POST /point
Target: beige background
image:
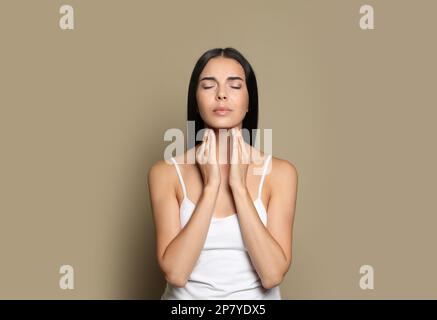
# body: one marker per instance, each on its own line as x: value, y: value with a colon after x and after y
x: 83, y: 114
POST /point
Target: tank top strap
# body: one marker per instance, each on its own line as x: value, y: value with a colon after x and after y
x: 181, y: 180
x: 269, y: 157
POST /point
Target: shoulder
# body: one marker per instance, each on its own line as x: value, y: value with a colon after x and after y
x: 283, y: 172
x: 161, y: 170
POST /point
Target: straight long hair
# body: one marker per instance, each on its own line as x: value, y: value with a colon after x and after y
x: 250, y: 121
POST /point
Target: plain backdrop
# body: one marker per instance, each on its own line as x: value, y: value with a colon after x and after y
x: 83, y: 114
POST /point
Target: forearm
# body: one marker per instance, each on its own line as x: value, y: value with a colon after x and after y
x: 266, y: 254
x: 183, y: 251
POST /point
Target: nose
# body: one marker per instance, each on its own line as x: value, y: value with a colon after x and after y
x: 221, y: 95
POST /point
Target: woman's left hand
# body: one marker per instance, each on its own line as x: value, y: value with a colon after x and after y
x: 239, y: 160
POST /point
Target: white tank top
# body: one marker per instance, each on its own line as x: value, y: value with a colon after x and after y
x: 224, y: 269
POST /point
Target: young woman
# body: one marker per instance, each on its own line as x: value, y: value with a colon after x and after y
x: 223, y: 223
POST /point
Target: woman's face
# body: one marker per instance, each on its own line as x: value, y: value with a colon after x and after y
x: 222, y: 94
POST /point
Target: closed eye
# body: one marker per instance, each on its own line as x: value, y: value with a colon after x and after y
x: 209, y: 87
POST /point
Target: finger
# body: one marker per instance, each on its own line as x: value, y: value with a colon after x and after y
x: 240, y: 149
x: 212, y: 148
x: 204, y: 135
x: 237, y: 131
x: 201, y: 150
x: 232, y: 132
x: 244, y: 152
x: 234, y: 156
x: 207, y: 146
x: 240, y: 153
x: 200, y: 153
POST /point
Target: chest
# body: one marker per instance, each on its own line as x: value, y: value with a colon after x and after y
x: 225, y: 204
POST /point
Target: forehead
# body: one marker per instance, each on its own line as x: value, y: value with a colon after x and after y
x: 222, y: 67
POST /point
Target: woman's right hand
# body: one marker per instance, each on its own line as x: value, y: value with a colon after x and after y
x: 206, y: 159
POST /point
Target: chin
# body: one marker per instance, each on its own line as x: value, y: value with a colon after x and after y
x: 221, y: 125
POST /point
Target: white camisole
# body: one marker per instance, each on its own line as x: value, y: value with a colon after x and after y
x: 224, y: 269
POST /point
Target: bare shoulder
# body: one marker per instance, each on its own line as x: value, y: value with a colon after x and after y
x: 161, y: 171
x: 283, y: 171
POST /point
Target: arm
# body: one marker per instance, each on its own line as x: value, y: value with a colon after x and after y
x: 178, y: 249
x: 270, y: 247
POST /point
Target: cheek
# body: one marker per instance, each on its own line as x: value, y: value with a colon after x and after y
x: 204, y: 97
x: 241, y: 100
x: 201, y: 100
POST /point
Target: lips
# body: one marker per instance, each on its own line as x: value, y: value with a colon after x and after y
x: 221, y: 109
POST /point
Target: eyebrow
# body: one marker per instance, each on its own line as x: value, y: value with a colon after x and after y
x: 229, y: 78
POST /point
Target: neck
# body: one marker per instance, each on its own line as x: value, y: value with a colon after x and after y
x: 223, y: 145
